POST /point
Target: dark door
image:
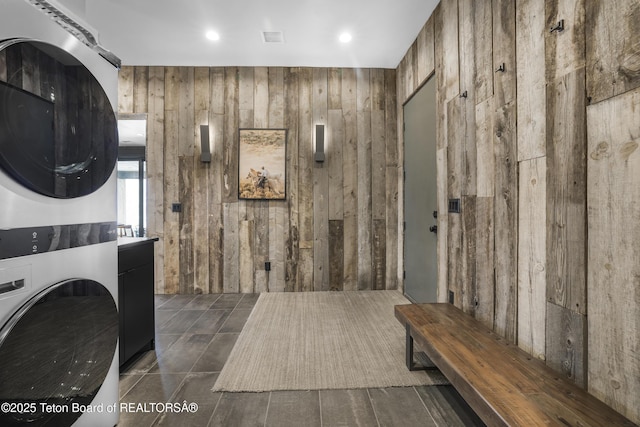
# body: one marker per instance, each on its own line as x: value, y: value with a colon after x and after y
x: 420, y: 196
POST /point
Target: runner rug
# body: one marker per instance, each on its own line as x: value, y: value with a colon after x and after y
x: 321, y: 340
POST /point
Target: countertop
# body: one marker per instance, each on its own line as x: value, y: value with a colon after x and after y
x: 135, y: 241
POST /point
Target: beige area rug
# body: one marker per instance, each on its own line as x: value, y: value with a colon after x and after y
x: 321, y: 340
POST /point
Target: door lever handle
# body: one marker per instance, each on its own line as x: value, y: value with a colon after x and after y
x: 433, y: 229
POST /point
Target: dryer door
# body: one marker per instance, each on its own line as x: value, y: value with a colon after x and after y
x: 55, y: 353
x: 58, y: 132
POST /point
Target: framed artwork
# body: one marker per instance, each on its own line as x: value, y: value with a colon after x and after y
x: 262, y: 164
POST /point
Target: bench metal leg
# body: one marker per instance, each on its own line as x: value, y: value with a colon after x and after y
x: 426, y: 363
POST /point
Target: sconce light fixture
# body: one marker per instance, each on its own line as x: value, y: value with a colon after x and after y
x: 205, y: 156
x: 319, y: 152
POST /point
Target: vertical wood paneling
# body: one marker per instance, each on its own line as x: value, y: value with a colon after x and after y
x: 504, y: 51
x: 468, y: 254
x: 426, y: 59
x: 335, y: 140
x: 612, y: 47
x: 140, y: 89
x: 125, y: 90
x: 613, y: 271
x: 201, y: 203
x: 566, y: 343
x: 246, y: 245
x: 320, y: 188
x: 278, y: 212
x: 450, y: 34
x: 394, y: 241
x: 530, y: 281
x: 364, y: 179
x: 186, y: 274
x: 455, y: 185
x: 485, y: 254
x: 532, y: 256
x: 566, y: 194
x: 443, y: 224
x: 231, y: 247
x: 155, y: 170
x: 336, y: 255
x: 292, y: 254
x: 565, y: 50
x: 506, y: 214
x: 216, y: 189
x: 219, y: 243
x: 483, y: 61
x: 530, y: 62
x: 305, y: 179
x: 350, y: 168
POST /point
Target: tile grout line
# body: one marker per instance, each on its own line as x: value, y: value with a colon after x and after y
x: 266, y: 414
x: 320, y: 405
x: 373, y: 408
x: 435, y: 423
x: 215, y: 409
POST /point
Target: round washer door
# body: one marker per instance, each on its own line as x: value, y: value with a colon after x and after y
x: 58, y: 132
x: 55, y: 352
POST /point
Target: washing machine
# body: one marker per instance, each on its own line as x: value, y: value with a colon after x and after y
x: 58, y: 237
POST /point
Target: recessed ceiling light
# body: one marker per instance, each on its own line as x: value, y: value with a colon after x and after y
x: 345, y: 38
x: 212, y: 35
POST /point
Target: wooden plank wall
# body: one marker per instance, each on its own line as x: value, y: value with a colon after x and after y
x: 544, y: 157
x: 337, y: 229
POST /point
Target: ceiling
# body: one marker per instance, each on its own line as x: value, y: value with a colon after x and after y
x: 172, y: 32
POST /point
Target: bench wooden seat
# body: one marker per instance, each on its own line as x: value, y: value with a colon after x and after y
x: 504, y: 385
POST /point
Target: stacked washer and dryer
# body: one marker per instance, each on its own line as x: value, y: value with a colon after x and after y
x: 58, y: 237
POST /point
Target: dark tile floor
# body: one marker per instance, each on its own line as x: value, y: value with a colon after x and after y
x: 194, y: 336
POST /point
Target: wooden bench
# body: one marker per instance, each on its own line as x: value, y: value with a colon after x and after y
x: 504, y: 385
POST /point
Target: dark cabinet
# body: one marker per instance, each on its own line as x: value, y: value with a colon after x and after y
x: 136, y: 298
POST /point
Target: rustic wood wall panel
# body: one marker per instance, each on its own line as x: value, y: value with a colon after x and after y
x: 216, y: 189
x: 566, y: 195
x: 504, y: 51
x: 350, y: 176
x: 613, y: 271
x: 292, y: 254
x: 425, y: 47
x: 450, y: 34
x: 531, y: 79
x: 613, y: 48
x: 155, y: 169
x: 565, y: 50
x: 219, y: 243
x: 394, y: 242
x: 455, y: 184
x: 530, y: 239
x: 532, y: 200
x: 125, y: 89
x: 483, y: 55
x: 506, y: 215
x: 566, y: 343
x: 320, y: 188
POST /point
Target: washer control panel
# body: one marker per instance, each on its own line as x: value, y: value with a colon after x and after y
x: 17, y: 242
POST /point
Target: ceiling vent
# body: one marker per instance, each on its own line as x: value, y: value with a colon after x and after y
x: 72, y: 26
x: 272, y: 37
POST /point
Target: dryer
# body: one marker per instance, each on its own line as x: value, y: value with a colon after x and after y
x: 58, y: 249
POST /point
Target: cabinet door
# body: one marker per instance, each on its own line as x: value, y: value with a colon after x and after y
x: 138, y: 309
x: 121, y: 318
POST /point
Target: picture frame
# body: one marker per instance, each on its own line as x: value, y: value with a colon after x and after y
x: 262, y: 164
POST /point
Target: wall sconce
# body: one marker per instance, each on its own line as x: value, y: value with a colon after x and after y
x: 318, y: 155
x: 205, y: 156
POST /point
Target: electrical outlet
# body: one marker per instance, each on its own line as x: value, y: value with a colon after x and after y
x: 267, y: 266
x: 176, y: 207
x: 451, y: 297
